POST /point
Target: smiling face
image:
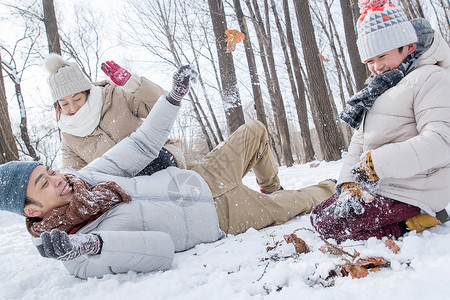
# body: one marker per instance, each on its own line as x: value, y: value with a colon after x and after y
x: 389, y: 60
x: 72, y: 103
x: 48, y: 190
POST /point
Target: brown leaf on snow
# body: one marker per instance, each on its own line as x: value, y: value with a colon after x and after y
x: 372, y: 262
x: 330, y: 249
x: 356, y: 271
x: 356, y: 253
x: 300, y: 245
x: 392, y: 245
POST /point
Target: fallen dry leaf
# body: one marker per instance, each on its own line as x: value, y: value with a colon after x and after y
x: 334, y: 250
x: 300, y: 245
x: 392, y: 245
x: 357, y: 271
x: 372, y: 262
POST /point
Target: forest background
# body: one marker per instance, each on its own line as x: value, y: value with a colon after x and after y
x: 294, y: 69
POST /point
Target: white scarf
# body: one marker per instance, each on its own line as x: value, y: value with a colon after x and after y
x: 87, y: 118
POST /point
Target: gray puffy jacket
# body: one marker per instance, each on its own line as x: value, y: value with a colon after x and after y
x: 172, y: 210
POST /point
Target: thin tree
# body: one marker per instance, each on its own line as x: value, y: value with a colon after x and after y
x: 51, y: 27
x: 251, y: 61
x: 358, y: 68
x: 329, y: 133
x: 15, y: 75
x: 301, y: 107
x: 8, y: 147
x: 232, y: 103
x: 267, y: 57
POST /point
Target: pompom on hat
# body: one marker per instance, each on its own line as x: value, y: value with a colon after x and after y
x: 64, y: 78
x: 382, y: 27
x: 14, y: 177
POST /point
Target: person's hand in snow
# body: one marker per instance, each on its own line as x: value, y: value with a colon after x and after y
x: 350, y: 199
x: 58, y: 244
x: 118, y: 75
x: 365, y: 175
x: 181, y: 82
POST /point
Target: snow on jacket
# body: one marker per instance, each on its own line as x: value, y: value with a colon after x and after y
x: 120, y: 116
x: 172, y: 210
x: 407, y: 131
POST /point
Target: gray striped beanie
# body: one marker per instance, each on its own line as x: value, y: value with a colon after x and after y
x: 382, y: 27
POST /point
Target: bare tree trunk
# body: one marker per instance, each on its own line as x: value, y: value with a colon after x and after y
x: 301, y: 108
x: 232, y: 103
x: 187, y: 26
x: 265, y: 39
x: 51, y: 27
x: 329, y: 132
x: 11, y: 71
x: 412, y: 9
x: 177, y: 60
x: 256, y: 87
x: 295, y: 92
x: 8, y: 147
x: 359, y: 70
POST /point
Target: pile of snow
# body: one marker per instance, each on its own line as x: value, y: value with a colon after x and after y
x: 240, y: 267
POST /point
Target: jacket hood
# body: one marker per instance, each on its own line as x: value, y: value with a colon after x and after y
x: 437, y: 54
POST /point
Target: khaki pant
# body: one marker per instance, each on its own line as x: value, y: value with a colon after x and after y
x: 240, y: 207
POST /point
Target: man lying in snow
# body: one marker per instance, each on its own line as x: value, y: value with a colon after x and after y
x: 103, y: 220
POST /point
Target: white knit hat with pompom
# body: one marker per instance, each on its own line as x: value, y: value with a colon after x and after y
x: 382, y: 27
x: 64, y: 78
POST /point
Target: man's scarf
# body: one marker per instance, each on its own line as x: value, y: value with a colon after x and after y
x: 362, y: 101
x: 88, y: 201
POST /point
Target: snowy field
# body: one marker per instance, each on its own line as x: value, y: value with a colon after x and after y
x: 241, y: 267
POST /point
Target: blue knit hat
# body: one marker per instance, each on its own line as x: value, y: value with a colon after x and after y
x: 13, y: 184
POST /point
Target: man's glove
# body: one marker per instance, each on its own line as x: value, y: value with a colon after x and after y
x: 365, y: 175
x: 421, y: 222
x: 350, y: 199
x: 180, y: 83
x: 117, y: 74
x: 58, y: 244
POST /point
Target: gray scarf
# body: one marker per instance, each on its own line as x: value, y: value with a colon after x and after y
x: 362, y: 101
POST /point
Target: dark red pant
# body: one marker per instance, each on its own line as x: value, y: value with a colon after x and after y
x: 380, y: 218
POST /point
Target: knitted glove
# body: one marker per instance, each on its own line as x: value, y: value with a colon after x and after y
x: 365, y: 175
x: 350, y: 199
x: 421, y: 222
x: 180, y: 83
x: 117, y: 74
x: 58, y: 244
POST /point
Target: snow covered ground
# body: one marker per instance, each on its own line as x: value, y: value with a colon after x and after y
x: 240, y: 267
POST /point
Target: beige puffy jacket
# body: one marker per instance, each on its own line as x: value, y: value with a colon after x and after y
x: 407, y: 131
x: 121, y: 116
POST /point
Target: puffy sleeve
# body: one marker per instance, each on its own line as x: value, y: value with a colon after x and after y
x: 135, y: 152
x: 123, y: 251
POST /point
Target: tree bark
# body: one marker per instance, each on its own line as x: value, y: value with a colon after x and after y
x: 8, y: 147
x: 254, y: 78
x: 329, y: 132
x: 51, y: 27
x: 232, y: 103
x: 358, y: 68
x: 297, y: 85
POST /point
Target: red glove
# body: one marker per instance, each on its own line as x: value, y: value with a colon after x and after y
x: 117, y: 74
